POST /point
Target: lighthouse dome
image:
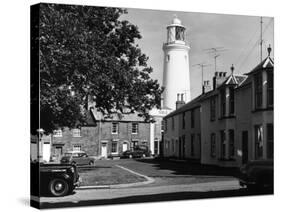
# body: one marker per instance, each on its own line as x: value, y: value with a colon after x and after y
x: 176, y: 21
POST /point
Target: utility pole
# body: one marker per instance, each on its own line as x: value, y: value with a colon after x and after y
x: 202, y: 65
x: 215, y: 52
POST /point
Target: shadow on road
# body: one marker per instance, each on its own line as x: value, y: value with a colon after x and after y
x: 157, y: 198
x: 190, y: 168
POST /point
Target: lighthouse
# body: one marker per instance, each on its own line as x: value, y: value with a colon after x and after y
x: 176, y: 77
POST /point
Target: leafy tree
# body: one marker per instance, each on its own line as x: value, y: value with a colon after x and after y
x: 88, y: 51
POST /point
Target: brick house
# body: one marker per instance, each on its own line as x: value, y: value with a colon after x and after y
x: 102, y: 137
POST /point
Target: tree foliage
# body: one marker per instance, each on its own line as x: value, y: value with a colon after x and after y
x: 88, y: 51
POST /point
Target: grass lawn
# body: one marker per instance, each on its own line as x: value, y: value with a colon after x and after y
x: 107, y: 176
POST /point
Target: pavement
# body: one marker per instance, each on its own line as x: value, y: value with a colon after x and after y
x: 164, y: 181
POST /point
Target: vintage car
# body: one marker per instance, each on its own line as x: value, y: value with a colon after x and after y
x: 139, y: 151
x: 77, y: 158
x: 54, y: 179
x: 257, y: 174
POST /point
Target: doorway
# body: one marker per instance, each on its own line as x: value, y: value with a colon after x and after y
x: 125, y: 146
x: 104, y: 150
x: 245, y: 147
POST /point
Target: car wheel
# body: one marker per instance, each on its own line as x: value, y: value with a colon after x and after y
x: 91, y: 163
x: 58, y: 187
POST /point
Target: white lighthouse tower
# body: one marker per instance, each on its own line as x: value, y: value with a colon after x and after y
x: 176, y: 78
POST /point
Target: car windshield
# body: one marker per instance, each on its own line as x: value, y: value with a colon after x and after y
x: 68, y: 154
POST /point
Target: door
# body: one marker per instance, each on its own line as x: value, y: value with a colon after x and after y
x: 180, y: 149
x: 104, y: 150
x: 244, y: 147
x: 125, y: 147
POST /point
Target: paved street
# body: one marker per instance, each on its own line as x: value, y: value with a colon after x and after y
x: 172, y: 181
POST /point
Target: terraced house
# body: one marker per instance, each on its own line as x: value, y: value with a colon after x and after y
x: 229, y: 125
x: 101, y: 136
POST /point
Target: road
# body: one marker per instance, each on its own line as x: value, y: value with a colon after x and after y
x: 172, y: 181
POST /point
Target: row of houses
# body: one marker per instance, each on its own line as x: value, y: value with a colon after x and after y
x: 229, y: 123
x: 101, y: 137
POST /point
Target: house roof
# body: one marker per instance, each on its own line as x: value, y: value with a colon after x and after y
x: 230, y: 80
x: 234, y: 79
x: 266, y: 63
x: 188, y: 106
x: 99, y: 116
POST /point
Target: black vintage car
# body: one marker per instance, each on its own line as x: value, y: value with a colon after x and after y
x: 139, y: 151
x: 54, y: 179
x: 257, y: 175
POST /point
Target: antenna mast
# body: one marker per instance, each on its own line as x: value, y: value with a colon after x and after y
x: 202, y: 65
x: 261, y: 22
x: 215, y: 51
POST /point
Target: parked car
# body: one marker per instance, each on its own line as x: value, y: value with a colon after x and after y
x: 55, y: 179
x: 138, y: 152
x: 77, y: 158
x: 257, y: 174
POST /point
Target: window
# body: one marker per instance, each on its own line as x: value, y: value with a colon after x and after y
x: 114, y: 147
x: 192, y: 145
x: 135, y: 128
x: 223, y: 104
x: 192, y: 119
x: 213, y: 145
x: 162, y: 126
x: 223, y: 144
x: 77, y: 147
x: 179, y: 33
x: 166, y: 125
x: 258, y: 90
x: 270, y: 88
x: 57, y: 133
x: 270, y: 139
x: 231, y: 100
x: 114, y: 128
x: 183, y: 120
x: 76, y: 133
x: 258, y: 141
x: 173, y: 123
x: 231, y: 143
x: 167, y: 58
x: 213, y: 109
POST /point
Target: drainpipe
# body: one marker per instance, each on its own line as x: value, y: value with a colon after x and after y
x: 99, y: 146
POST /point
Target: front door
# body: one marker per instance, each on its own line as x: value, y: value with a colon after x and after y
x: 244, y: 147
x: 180, y: 151
x: 125, y: 147
x: 104, y: 150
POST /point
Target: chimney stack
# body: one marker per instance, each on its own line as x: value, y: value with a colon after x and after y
x: 180, y: 101
x: 218, y: 79
x: 206, y: 86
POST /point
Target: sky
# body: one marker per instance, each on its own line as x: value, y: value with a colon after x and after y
x: 239, y: 35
